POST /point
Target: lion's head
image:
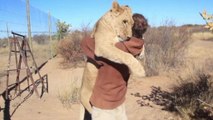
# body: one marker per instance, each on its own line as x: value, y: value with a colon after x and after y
x: 118, y: 21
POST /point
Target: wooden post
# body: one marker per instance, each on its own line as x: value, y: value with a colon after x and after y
x: 50, y: 34
x: 8, y: 34
x: 29, y: 24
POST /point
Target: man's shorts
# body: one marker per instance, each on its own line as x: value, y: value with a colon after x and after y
x: 118, y: 113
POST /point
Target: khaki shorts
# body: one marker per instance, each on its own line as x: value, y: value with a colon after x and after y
x: 118, y: 113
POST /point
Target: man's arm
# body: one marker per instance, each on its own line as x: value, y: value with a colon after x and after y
x: 134, y: 46
x: 88, y: 47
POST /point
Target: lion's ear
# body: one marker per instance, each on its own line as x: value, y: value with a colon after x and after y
x: 116, y: 8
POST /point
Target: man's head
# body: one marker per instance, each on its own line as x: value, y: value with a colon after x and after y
x: 140, y: 25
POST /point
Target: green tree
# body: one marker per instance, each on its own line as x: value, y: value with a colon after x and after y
x: 62, y: 29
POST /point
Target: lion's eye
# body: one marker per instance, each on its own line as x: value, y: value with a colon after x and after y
x: 125, y: 21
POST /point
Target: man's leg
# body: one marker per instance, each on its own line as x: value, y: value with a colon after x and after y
x: 121, y: 113
x: 87, y: 115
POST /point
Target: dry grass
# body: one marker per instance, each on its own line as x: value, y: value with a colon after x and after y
x: 43, y: 52
x: 193, y: 97
x: 69, y: 95
x: 69, y: 48
x: 199, y: 51
x: 165, y: 49
x: 3, y: 61
x: 202, y: 36
x: 193, y: 94
x: 40, y: 52
x: 170, y: 47
x: 187, y: 96
x: 4, y: 51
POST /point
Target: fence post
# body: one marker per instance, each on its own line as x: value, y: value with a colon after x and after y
x: 8, y: 35
x: 50, y: 34
x: 29, y: 24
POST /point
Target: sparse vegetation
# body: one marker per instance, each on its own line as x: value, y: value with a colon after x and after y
x: 191, y: 98
x: 41, y: 53
x: 70, y: 95
x: 165, y: 48
x: 207, y: 36
x: 69, y: 48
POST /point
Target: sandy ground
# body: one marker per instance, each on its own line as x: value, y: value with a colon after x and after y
x: 49, y: 107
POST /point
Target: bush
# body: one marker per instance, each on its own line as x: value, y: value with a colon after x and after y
x: 192, y: 98
x: 165, y: 48
x: 69, y: 48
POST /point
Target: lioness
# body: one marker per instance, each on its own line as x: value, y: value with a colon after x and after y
x: 115, y: 25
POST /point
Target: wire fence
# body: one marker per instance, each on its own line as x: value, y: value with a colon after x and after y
x: 13, y: 17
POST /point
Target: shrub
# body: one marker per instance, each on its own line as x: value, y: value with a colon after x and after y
x: 165, y: 48
x: 191, y: 98
x: 69, y: 48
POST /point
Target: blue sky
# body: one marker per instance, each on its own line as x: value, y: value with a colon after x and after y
x: 83, y: 12
x: 78, y: 12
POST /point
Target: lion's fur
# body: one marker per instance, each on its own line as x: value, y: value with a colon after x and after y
x: 116, y: 23
x: 88, y: 81
x: 108, y: 29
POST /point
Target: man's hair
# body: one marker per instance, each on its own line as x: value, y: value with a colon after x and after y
x: 140, y: 25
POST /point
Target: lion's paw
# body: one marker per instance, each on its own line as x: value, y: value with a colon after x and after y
x: 138, y: 72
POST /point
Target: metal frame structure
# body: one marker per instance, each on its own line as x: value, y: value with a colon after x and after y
x: 22, y: 52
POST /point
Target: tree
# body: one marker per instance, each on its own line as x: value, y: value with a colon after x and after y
x: 209, y: 20
x: 62, y: 29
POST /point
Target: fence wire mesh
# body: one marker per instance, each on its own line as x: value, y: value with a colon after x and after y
x: 13, y: 17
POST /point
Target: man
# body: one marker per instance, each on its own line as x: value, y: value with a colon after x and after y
x: 109, y: 92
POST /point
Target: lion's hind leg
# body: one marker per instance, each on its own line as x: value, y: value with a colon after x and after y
x: 84, y: 113
x: 85, y: 98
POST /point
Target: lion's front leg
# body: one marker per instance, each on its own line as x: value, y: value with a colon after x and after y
x: 114, y: 54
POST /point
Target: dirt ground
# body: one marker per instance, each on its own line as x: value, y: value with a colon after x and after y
x: 49, y: 107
